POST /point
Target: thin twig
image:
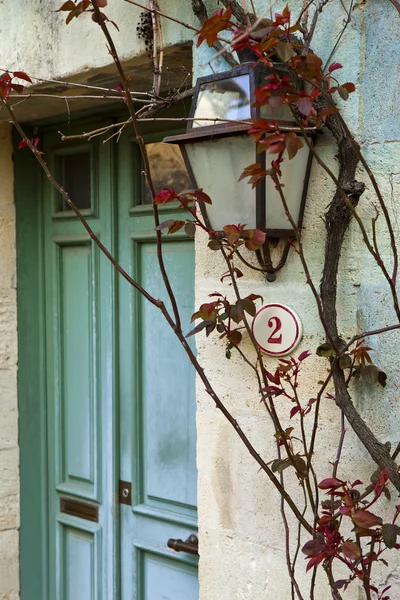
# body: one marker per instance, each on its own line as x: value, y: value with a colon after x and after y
x: 304, y: 9
x: 289, y: 564
x: 381, y: 201
x: 356, y: 216
x: 246, y: 13
x: 303, y: 259
x: 146, y: 164
x: 396, y: 452
x: 228, y: 47
x: 78, y: 97
x: 74, y: 84
x: 158, y: 303
x: 346, y: 23
x: 156, y: 59
x: 340, y: 445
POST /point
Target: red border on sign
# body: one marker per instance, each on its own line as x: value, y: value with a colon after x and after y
x: 287, y: 350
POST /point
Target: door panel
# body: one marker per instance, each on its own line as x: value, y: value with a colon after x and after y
x: 157, y: 405
x: 165, y: 579
x: 167, y: 390
x: 79, y: 552
x: 75, y: 325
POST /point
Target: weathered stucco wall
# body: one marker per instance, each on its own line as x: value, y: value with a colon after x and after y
x: 241, y: 530
x: 36, y: 39
x: 9, y: 457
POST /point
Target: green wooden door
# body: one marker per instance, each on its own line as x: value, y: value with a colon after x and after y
x: 119, y: 394
x: 158, y: 384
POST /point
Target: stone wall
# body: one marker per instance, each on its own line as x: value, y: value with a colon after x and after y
x: 9, y: 457
x: 241, y: 529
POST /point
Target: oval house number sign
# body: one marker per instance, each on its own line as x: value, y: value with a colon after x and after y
x: 277, y: 329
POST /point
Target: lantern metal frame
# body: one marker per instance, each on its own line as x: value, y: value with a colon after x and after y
x: 217, y: 130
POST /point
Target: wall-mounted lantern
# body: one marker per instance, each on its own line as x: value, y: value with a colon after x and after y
x: 217, y: 151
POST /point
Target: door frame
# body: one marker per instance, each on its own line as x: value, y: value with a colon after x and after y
x: 32, y: 394
x: 31, y: 375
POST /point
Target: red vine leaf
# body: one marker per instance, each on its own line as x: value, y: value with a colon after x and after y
x: 255, y: 172
x: 254, y: 239
x: 234, y: 336
x: 330, y: 483
x: 294, y: 411
x: 166, y: 195
x: 22, y: 75
x: 334, y: 66
x: 220, y: 21
x: 365, y: 519
x: 293, y: 144
x: 233, y: 232
x: 351, y: 550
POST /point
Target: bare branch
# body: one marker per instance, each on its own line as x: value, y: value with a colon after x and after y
x: 158, y: 50
x: 238, y: 12
x: 113, y: 52
x: 116, y: 97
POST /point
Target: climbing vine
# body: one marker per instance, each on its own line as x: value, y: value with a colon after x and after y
x: 338, y: 521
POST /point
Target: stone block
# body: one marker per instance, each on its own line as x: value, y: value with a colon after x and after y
x: 9, y: 565
x: 8, y: 409
x: 9, y: 489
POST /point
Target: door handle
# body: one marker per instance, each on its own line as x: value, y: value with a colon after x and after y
x: 191, y: 545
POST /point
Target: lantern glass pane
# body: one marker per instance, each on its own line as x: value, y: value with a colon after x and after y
x: 293, y: 176
x: 167, y: 169
x: 223, y: 99
x: 277, y: 112
x: 217, y: 165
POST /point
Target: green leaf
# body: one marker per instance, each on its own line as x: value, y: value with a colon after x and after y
x: 326, y: 351
x: 345, y: 361
x: 370, y: 373
x: 69, y: 5
x: 280, y: 465
x: 200, y: 327
x: 249, y: 306
x: 382, y: 378
x: 190, y: 229
x: 389, y: 534
x: 215, y: 244
x: 285, y: 50
x: 343, y: 93
x: 301, y: 466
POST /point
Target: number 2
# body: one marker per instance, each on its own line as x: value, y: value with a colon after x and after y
x: 273, y: 338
